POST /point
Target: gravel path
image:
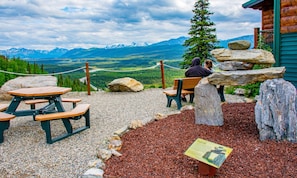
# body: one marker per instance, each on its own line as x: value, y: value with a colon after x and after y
x: 24, y: 152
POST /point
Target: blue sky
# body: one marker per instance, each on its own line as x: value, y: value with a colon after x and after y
x: 46, y: 24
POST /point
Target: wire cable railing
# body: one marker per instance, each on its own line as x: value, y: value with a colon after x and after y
x: 96, y: 69
x: 134, y: 70
x: 59, y: 73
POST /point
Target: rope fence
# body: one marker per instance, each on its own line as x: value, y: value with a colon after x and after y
x: 51, y: 74
x: 95, y: 69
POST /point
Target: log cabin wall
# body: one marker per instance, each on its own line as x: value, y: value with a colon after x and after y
x: 267, y: 22
x: 267, y: 17
x: 288, y: 15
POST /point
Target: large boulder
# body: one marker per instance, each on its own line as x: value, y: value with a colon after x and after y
x: 239, y: 45
x: 208, y: 110
x: 125, y: 84
x: 243, y: 77
x: 275, y: 111
x: 255, y: 56
x: 26, y: 82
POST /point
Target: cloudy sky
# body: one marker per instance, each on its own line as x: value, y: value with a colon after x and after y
x: 46, y: 24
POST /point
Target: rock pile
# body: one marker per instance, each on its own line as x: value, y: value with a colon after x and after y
x: 236, y: 64
x: 275, y: 110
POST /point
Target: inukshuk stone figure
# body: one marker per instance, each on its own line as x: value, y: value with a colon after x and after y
x: 236, y: 65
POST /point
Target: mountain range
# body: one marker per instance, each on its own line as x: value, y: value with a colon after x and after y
x: 169, y: 49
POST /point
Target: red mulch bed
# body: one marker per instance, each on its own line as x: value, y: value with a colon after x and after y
x: 157, y: 149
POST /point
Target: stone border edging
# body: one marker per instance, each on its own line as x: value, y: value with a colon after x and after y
x: 96, y: 167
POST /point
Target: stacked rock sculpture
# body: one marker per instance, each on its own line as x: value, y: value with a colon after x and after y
x: 236, y: 65
x: 275, y: 111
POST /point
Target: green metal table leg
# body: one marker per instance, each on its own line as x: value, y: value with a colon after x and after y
x: 47, y: 128
x: 3, y: 126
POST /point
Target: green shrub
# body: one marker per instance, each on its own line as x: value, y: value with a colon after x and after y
x: 229, y: 90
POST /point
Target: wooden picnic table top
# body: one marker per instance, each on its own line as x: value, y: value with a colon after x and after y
x: 39, y: 91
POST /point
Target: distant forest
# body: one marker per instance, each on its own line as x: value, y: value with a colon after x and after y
x: 16, y: 65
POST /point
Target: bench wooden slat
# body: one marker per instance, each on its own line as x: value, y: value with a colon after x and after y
x: 188, y: 83
x: 170, y: 92
x: 35, y: 101
x: 4, y: 123
x: 187, y: 92
x: 6, y: 117
x: 3, y: 107
x: 70, y: 100
x: 81, y: 110
x: 77, y: 111
x: 173, y: 92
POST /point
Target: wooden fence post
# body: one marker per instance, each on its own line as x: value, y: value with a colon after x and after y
x: 162, y: 74
x: 256, y: 37
x: 88, y: 78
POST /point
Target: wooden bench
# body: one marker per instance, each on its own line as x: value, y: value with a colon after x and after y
x: 183, y: 86
x: 3, y: 107
x: 32, y: 103
x: 81, y: 110
x: 4, y: 123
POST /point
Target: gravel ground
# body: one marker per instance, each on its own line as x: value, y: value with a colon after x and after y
x: 25, y: 153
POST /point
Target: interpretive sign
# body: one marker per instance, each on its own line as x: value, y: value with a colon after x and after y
x: 208, y: 152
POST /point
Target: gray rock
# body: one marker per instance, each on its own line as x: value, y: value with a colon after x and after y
x: 26, y: 82
x: 254, y: 56
x: 275, y: 111
x: 235, y: 65
x: 239, y: 45
x: 98, y: 163
x: 122, y: 131
x: 125, y: 84
x: 243, y: 77
x: 241, y: 91
x: 104, y: 154
x: 208, y: 110
x: 115, y: 153
x: 93, y: 173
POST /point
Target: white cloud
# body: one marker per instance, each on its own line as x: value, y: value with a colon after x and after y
x: 42, y: 24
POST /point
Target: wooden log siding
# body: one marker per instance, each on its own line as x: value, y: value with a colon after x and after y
x: 289, y: 29
x: 267, y: 19
x: 288, y: 12
x: 287, y: 3
x: 268, y: 27
x: 288, y: 21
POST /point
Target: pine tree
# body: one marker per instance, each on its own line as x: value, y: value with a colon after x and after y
x: 202, y: 34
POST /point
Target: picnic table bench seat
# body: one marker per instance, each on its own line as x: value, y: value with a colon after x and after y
x: 4, y: 123
x: 182, y: 86
x: 32, y: 103
x: 3, y: 107
x: 80, y: 110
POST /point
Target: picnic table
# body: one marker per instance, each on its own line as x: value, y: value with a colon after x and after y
x: 52, y: 94
x: 53, y: 110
